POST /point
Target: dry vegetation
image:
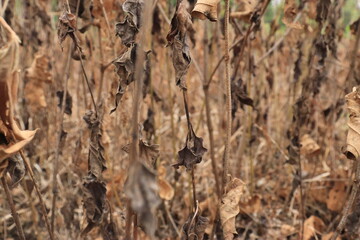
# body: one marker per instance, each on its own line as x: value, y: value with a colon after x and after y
x: 159, y: 119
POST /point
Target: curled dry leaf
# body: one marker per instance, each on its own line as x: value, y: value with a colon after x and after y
x: 12, y: 139
x: 245, y: 10
x: 94, y: 189
x: 308, y: 146
x: 180, y: 24
x: 194, y: 227
x: 67, y: 27
x: 353, y: 138
x: 36, y: 78
x: 125, y: 69
x: 205, y: 9
x: 142, y: 189
x: 150, y: 152
x: 68, y: 101
x: 312, y: 226
x: 193, y: 151
x: 290, y: 12
x: 235, y: 190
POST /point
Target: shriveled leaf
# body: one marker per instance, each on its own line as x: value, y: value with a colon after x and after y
x: 205, y: 9
x: 192, y: 152
x: 322, y: 10
x: 36, y: 77
x: 127, y: 31
x: 245, y: 10
x: 94, y: 197
x: 68, y: 101
x: 290, y: 12
x: 312, y: 225
x: 12, y: 139
x: 150, y: 152
x: 180, y: 25
x: 353, y: 138
x: 235, y: 190
x: 308, y: 146
x: 134, y: 9
x: 166, y: 191
x: 84, y: 8
x: 142, y: 189
x: 125, y: 69
x: 67, y: 27
x: 96, y: 160
x: 194, y: 227
x: 181, y: 61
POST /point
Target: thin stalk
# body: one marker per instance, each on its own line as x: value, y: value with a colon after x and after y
x: 228, y: 97
x: 145, y: 42
x: 193, y: 186
x: 57, y: 149
x: 43, y: 208
x: 208, y: 114
x: 13, y: 209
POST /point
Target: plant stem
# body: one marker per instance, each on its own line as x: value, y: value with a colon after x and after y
x: 228, y: 96
x: 57, y: 149
x: 13, y: 209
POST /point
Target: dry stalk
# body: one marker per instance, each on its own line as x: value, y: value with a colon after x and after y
x: 144, y: 42
x: 13, y: 209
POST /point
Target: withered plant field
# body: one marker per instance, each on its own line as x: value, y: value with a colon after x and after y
x: 179, y: 119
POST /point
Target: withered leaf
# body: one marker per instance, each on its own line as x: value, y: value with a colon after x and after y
x: 245, y: 10
x: 134, y: 9
x: 96, y: 160
x: 234, y: 192
x: 194, y: 228
x: 142, y: 189
x: 290, y: 12
x: 125, y: 67
x: 84, y: 8
x: 94, y: 195
x: 149, y: 122
x: 150, y: 152
x: 67, y: 27
x: 192, y: 152
x: 353, y: 138
x: 16, y: 169
x: 68, y: 101
x: 180, y: 24
x: 12, y: 139
x: 127, y: 31
x: 205, y: 9
x: 322, y: 10
x: 354, y: 26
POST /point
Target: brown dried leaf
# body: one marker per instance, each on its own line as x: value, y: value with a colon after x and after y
x: 192, y: 152
x: 290, y: 12
x: 353, y: 138
x: 67, y: 27
x: 96, y: 160
x: 36, y: 76
x: 336, y: 197
x: 94, y: 197
x: 180, y: 24
x: 127, y: 31
x: 166, y: 191
x: 245, y: 10
x: 68, y: 101
x: 134, y: 9
x: 205, y: 9
x: 194, y: 227
x: 12, y: 139
x: 142, y: 189
x: 312, y: 225
x: 229, y: 208
x: 308, y: 146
